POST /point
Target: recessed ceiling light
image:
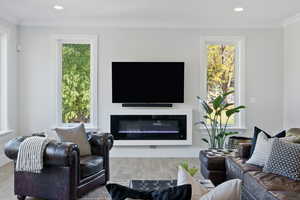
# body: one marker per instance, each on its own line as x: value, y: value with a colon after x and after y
x: 238, y: 9
x: 58, y: 7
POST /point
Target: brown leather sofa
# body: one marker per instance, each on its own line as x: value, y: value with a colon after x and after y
x: 66, y: 175
x: 258, y: 185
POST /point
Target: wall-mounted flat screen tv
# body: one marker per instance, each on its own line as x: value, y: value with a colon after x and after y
x: 148, y: 82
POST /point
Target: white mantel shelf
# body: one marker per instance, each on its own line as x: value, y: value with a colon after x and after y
x: 162, y: 111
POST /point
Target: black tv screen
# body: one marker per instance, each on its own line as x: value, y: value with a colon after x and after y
x: 148, y: 82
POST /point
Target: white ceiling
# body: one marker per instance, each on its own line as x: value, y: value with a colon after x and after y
x: 152, y: 13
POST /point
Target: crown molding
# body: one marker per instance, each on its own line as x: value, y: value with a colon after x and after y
x: 291, y: 20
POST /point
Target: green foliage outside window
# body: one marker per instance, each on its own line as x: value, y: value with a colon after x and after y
x: 220, y: 73
x: 76, y: 83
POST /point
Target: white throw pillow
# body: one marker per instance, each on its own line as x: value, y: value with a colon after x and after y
x: 262, y: 150
x: 229, y: 190
x: 52, y: 135
x: 184, y: 178
x: 76, y: 135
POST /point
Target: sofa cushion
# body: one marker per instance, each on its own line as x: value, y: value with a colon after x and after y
x: 256, y: 133
x: 262, y: 150
x: 90, y: 165
x: 227, y: 190
x: 237, y: 167
x: 76, y: 135
x: 266, y: 185
x: 284, y: 160
x: 283, y: 195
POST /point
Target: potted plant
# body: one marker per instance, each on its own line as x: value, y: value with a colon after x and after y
x: 216, y: 118
x: 191, y: 170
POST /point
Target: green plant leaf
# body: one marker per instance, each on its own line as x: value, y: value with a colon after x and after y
x: 217, y: 102
x: 231, y: 133
x: 193, y: 171
x: 228, y: 93
x: 220, y: 136
x: 206, y: 107
x: 200, y: 122
x: 231, y: 112
x: 241, y: 107
x: 205, y: 140
x: 185, y: 165
x: 228, y: 105
x: 234, y: 110
x: 219, y: 112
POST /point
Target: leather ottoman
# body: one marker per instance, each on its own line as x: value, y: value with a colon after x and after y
x: 212, y: 167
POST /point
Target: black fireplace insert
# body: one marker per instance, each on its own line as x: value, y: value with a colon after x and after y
x: 148, y: 127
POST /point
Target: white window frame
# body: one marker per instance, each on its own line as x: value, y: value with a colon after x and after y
x: 3, y: 81
x: 78, y: 39
x: 239, y: 42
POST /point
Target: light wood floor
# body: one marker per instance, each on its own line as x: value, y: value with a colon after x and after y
x: 122, y: 170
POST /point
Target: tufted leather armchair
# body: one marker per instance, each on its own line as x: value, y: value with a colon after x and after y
x: 66, y: 175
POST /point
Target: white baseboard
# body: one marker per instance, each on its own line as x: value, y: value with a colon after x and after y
x: 155, y: 152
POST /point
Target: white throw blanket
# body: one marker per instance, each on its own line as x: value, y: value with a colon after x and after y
x: 30, y: 156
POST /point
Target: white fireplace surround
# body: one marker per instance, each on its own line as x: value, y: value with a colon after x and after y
x: 172, y: 111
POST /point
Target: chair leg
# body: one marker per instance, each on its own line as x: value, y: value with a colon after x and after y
x: 20, y: 197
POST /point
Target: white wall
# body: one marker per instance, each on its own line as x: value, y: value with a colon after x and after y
x: 12, y: 84
x: 264, y: 60
x: 291, y: 75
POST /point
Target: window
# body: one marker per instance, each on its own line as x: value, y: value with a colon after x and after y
x: 3, y: 81
x: 224, y: 66
x: 77, y: 80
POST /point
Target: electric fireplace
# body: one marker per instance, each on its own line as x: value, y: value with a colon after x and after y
x: 149, y: 127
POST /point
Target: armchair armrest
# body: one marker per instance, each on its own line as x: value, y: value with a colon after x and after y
x: 55, y: 154
x: 61, y: 153
x: 244, y: 150
x: 11, y: 148
x: 101, y: 143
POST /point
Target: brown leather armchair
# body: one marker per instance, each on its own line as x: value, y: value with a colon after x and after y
x: 66, y: 175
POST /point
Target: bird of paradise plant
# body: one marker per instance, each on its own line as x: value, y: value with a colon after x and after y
x: 212, y: 119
